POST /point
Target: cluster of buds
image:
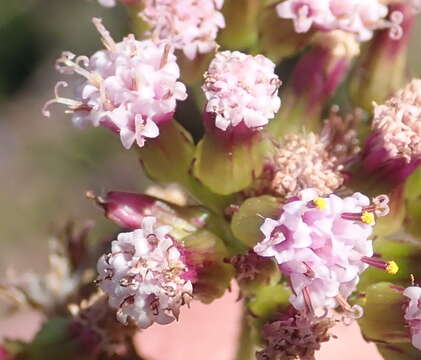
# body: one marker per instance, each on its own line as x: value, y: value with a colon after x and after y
x: 145, y: 276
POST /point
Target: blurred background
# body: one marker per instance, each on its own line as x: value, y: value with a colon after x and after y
x: 46, y: 165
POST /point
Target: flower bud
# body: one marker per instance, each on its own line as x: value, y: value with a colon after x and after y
x: 384, y: 55
x: 241, y: 92
x: 393, y: 150
x: 314, y: 80
x: 128, y: 210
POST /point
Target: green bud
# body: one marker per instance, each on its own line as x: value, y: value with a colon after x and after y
x: 382, y: 68
x: 269, y: 300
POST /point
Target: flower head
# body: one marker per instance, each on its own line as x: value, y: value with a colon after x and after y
x: 293, y: 336
x: 413, y: 314
x: 322, y: 244
x: 398, y: 122
x: 241, y: 89
x: 130, y: 88
x: 143, y: 276
x: 302, y: 162
x: 359, y: 17
x: 189, y: 25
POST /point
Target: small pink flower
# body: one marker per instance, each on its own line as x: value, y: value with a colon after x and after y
x: 359, y: 17
x: 393, y: 149
x: 322, y: 244
x: 189, y: 25
x: 413, y: 314
x: 306, y: 13
x: 129, y: 88
x: 241, y: 89
x: 143, y: 276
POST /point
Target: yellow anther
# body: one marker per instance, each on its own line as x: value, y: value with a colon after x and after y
x: 367, y: 218
x: 320, y: 203
x: 392, y: 268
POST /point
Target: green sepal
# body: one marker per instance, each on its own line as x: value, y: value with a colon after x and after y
x: 383, y: 322
x: 269, y: 300
x: 53, y: 342
x: 206, y: 252
x: 229, y: 168
x: 250, y: 216
x: 168, y: 157
x: 413, y: 186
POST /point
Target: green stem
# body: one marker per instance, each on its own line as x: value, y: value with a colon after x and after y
x: 247, y: 341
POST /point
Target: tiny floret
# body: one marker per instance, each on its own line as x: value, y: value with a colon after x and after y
x: 189, y: 25
x: 413, y: 314
x: 241, y: 89
x: 130, y: 87
x: 323, y: 250
x: 143, y: 276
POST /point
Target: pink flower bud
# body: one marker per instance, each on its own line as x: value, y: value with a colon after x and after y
x: 189, y: 25
x: 143, y: 276
x: 241, y: 92
x: 127, y: 209
x: 393, y: 150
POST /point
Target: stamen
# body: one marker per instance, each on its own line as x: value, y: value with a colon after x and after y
x: 307, y: 301
x: 367, y: 218
x: 164, y: 58
x: 389, y: 266
x: 107, y: 40
x: 320, y: 203
x: 70, y: 103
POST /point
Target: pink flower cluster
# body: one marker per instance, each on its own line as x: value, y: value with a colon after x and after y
x: 413, y: 314
x: 360, y: 17
x: 322, y: 244
x: 241, y: 88
x: 398, y: 122
x: 189, y: 25
x: 130, y: 88
x: 143, y: 276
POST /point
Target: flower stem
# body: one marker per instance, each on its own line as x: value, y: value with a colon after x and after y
x: 248, y: 339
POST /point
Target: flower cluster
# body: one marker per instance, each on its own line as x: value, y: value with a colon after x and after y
x: 189, y: 25
x: 413, y: 314
x: 303, y: 162
x: 130, y: 88
x: 241, y: 89
x: 294, y: 336
x: 143, y: 276
x: 322, y: 244
x: 360, y: 17
x: 398, y: 123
